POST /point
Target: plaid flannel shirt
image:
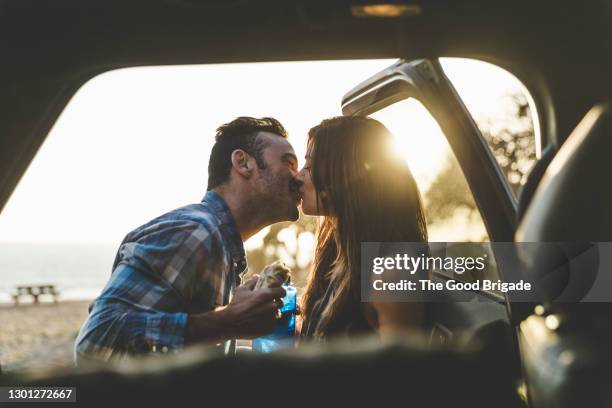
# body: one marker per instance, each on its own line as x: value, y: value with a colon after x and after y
x: 185, y: 261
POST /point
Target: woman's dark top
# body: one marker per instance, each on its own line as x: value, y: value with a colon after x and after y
x: 349, y: 322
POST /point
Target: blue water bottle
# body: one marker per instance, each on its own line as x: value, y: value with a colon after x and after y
x: 283, y: 335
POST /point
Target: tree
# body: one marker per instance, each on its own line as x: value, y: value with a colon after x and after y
x: 510, y: 135
x: 512, y: 139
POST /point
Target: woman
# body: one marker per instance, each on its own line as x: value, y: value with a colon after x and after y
x: 363, y: 191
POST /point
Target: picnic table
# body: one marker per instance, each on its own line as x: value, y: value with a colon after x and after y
x: 35, y: 291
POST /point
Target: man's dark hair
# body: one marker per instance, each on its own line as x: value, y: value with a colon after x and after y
x: 240, y: 133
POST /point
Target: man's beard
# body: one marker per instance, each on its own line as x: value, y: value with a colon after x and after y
x: 281, y: 197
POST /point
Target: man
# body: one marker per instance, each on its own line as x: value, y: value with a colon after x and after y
x: 173, y: 277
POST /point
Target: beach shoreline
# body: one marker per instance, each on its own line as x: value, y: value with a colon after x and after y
x: 40, y: 336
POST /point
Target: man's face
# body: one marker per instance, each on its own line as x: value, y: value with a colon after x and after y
x: 276, y: 184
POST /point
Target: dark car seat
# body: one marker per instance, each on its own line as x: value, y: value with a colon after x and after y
x: 570, y: 207
x: 565, y: 344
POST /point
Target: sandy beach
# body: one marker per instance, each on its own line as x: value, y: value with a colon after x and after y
x: 39, y: 336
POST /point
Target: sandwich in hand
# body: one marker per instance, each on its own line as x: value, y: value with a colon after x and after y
x: 273, y: 276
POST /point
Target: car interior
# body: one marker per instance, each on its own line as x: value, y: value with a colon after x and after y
x: 487, y: 352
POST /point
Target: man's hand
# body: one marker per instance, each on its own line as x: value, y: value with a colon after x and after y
x: 253, y: 313
x: 250, y: 314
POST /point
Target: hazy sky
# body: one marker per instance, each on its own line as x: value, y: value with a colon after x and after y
x: 134, y: 143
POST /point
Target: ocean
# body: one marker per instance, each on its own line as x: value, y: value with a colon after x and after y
x: 78, y: 271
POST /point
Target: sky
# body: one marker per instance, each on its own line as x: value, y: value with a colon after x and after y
x: 134, y: 143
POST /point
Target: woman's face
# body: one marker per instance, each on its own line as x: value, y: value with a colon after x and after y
x: 308, y: 192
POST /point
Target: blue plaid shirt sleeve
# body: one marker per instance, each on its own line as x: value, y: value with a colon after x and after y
x: 160, y: 268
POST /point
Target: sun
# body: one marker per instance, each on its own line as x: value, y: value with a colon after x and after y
x: 417, y: 138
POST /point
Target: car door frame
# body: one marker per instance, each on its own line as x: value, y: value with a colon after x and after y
x: 424, y: 80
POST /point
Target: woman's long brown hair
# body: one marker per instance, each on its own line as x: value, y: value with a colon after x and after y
x: 368, y: 195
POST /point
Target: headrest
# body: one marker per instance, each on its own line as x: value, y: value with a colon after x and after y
x: 573, y: 202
